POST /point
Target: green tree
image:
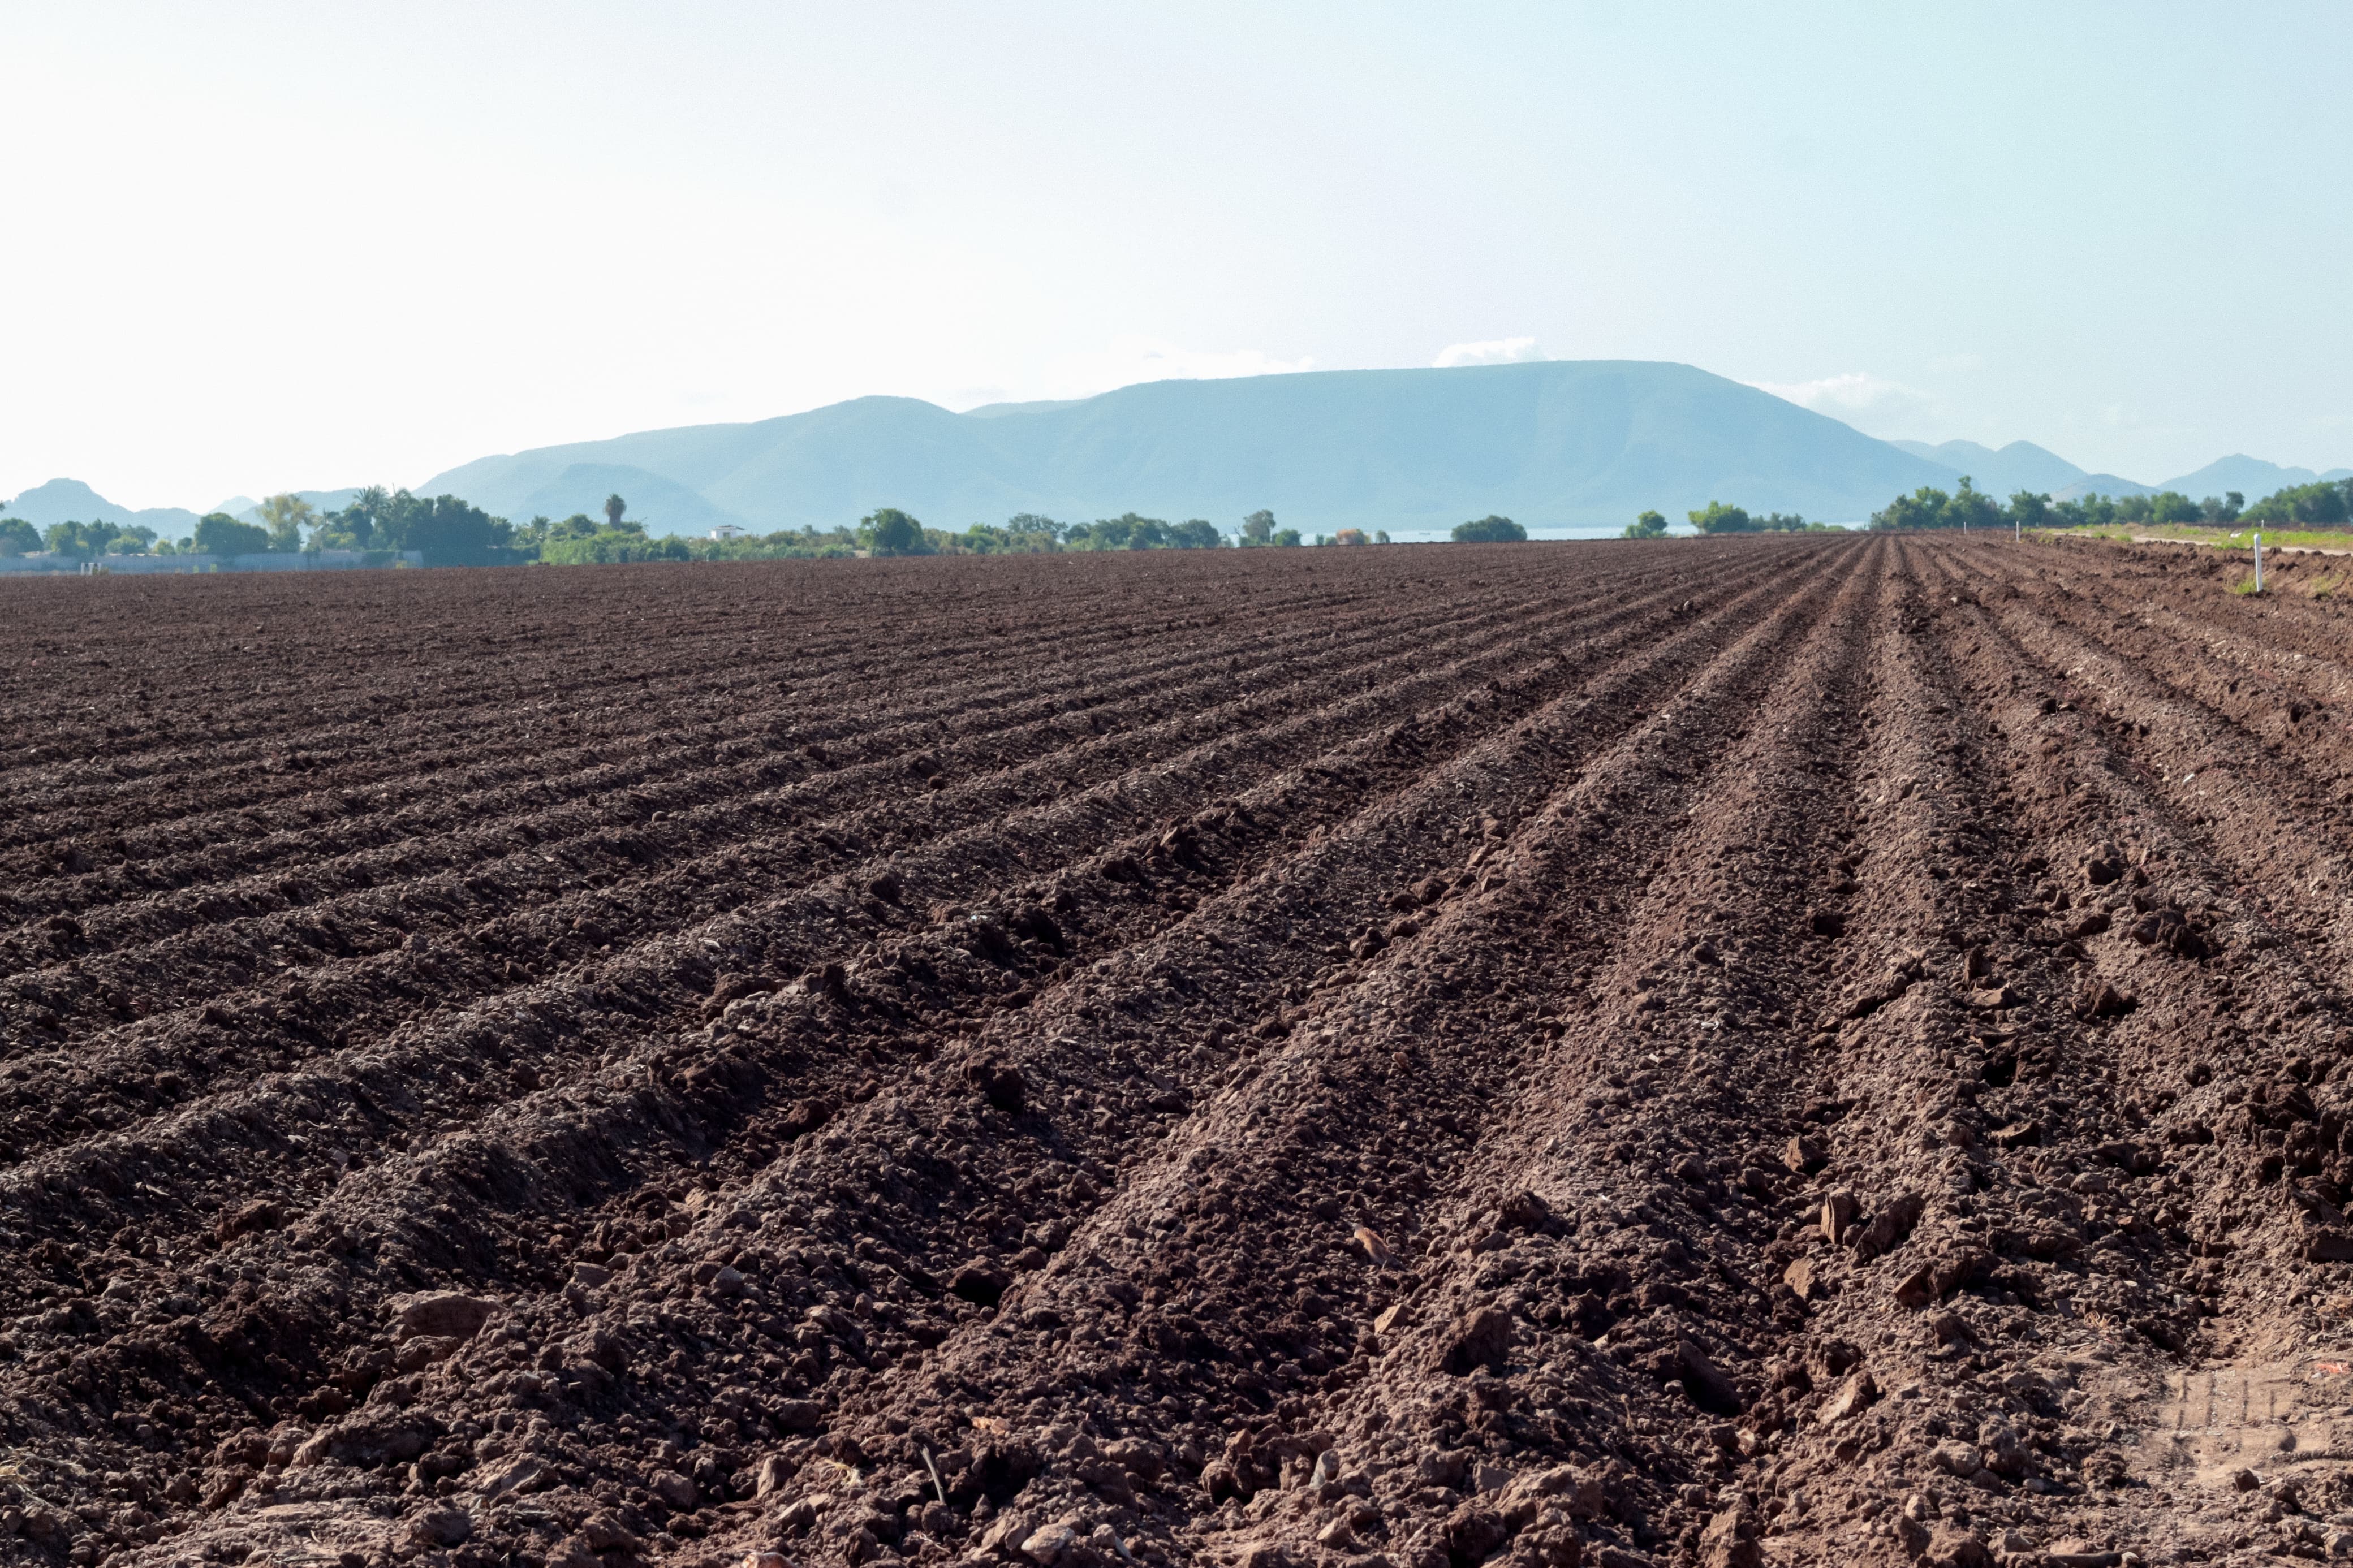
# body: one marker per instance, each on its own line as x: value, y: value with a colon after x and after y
x: 1971, y: 507
x: 1284, y: 539
x: 18, y: 537
x: 285, y: 517
x: 2322, y: 504
x: 1033, y: 531
x: 1650, y: 525
x: 1719, y: 518
x: 1489, y: 529
x: 217, y: 533
x: 82, y: 538
x: 2029, y: 509
x: 1924, y: 508
x: 614, y: 510
x: 2219, y: 511
x: 887, y: 531
x: 1258, y: 528
x: 1195, y: 534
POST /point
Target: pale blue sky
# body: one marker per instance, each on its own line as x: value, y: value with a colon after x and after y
x: 256, y: 246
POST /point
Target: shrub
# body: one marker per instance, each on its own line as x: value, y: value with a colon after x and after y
x: 1489, y: 529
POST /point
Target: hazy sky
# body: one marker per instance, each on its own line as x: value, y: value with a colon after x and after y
x: 256, y: 247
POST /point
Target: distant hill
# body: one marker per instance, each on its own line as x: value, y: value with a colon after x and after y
x: 1550, y: 444
x: 71, y: 501
x: 2250, y: 476
x: 2109, y: 485
x: 664, y: 505
x: 2020, y: 466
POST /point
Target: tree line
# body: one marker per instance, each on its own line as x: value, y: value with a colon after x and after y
x: 451, y: 531
x: 1717, y: 518
x: 2328, y: 503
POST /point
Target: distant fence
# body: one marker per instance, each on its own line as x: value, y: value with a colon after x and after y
x: 265, y: 561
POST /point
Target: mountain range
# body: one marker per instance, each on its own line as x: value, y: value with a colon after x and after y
x: 1554, y: 444
x: 2023, y: 466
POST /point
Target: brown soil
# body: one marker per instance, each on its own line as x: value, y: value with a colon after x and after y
x: 1821, y: 1050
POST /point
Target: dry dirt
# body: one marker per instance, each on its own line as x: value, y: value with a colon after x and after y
x: 1822, y: 1050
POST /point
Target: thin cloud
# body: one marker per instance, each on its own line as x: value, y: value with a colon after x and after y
x: 1867, y: 402
x: 1495, y: 350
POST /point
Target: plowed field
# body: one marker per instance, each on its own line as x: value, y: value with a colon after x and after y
x: 1807, y: 1050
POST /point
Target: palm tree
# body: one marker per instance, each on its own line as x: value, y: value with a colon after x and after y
x: 614, y: 506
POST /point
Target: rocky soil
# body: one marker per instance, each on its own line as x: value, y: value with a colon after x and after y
x: 1822, y: 1050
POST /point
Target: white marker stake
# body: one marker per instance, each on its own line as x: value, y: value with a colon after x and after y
x: 2259, y: 563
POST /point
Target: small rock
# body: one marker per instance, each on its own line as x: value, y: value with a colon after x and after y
x: 518, y: 1476
x: 796, y: 1414
x: 442, y: 1526
x: 1705, y: 1380
x: 1956, y: 1460
x: 770, y: 1478
x: 603, y: 1533
x: 260, y: 1214
x: 1838, y: 1210
x: 1525, y: 1211
x: 1802, y: 1280
x: 1473, y: 1531
x: 1006, y: 1532
x: 999, y: 1082
x: 425, y: 1350
x: 1480, y: 1338
x: 443, y: 1314
x: 1855, y: 1395
x: 1730, y: 1542
x: 2098, y: 999
x: 590, y: 1275
x: 1949, y: 1547
x: 676, y: 1490
x: 1049, y: 1545
x: 1804, y: 1155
